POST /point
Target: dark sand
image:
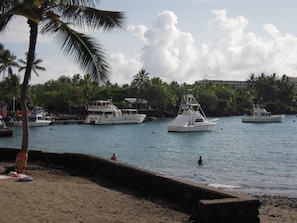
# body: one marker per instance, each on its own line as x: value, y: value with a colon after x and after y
x: 57, y: 196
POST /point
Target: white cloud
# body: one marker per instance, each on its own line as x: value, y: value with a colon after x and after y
x: 138, y: 31
x: 123, y: 69
x: 16, y: 32
x: 172, y: 54
x: 271, y: 30
x: 233, y: 54
x: 169, y: 52
x: 231, y: 28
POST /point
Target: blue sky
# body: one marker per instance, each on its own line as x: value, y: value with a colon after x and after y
x: 182, y: 41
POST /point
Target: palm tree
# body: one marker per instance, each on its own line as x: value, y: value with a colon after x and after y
x: 54, y: 18
x: 7, y: 61
x: 35, y: 66
x: 141, y: 79
x: 10, y: 88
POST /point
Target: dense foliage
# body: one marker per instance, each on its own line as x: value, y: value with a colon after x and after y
x: 70, y: 95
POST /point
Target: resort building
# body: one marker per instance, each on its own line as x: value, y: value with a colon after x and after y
x: 137, y: 103
x: 236, y: 84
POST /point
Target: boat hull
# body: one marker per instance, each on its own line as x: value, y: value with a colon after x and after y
x: 267, y: 119
x: 32, y: 124
x: 182, y: 123
x: 97, y: 119
x: 191, y: 128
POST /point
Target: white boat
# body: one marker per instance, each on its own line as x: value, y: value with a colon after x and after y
x: 106, y: 113
x: 191, y: 117
x: 261, y: 115
x: 35, y: 119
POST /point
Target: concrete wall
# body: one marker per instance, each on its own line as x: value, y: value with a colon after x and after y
x: 205, y: 204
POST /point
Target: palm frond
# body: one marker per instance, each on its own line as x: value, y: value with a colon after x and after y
x: 82, y: 48
x: 93, y: 18
x: 38, y: 61
x: 82, y: 3
x: 21, y: 69
x: 39, y: 68
x: 10, y: 9
x: 4, y: 21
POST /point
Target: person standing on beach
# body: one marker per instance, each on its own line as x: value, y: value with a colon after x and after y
x: 200, y: 161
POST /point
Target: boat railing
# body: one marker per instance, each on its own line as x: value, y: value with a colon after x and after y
x: 98, y: 107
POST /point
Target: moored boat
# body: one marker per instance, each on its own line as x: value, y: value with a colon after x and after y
x: 35, y: 119
x: 102, y: 112
x: 261, y: 115
x: 191, y: 117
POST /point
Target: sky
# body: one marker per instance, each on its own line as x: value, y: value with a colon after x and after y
x: 183, y: 41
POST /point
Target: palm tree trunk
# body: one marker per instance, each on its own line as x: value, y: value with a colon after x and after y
x: 30, y: 61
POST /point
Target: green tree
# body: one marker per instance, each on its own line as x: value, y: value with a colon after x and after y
x: 140, y: 82
x: 7, y: 62
x: 277, y: 93
x: 160, y: 96
x: 140, y: 79
x: 54, y: 17
x: 88, y: 87
x: 286, y: 91
x: 206, y: 96
x: 10, y: 89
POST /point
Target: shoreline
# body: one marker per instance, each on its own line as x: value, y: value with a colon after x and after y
x: 277, y: 209
x: 56, y: 195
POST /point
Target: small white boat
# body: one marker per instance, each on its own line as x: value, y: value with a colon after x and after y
x: 261, y: 115
x: 34, y: 120
x: 191, y: 117
x: 106, y: 113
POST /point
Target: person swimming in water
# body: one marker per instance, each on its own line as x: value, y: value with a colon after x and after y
x: 200, y: 161
x: 113, y: 157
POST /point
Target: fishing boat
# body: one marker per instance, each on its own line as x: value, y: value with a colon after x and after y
x: 35, y: 119
x: 102, y: 112
x: 261, y: 115
x: 191, y: 117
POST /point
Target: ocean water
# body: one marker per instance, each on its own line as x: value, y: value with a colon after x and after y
x: 248, y: 158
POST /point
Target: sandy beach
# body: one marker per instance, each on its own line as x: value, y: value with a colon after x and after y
x: 57, y: 196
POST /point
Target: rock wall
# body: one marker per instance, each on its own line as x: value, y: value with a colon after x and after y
x: 205, y: 204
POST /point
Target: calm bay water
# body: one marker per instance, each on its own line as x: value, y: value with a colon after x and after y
x: 250, y: 158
